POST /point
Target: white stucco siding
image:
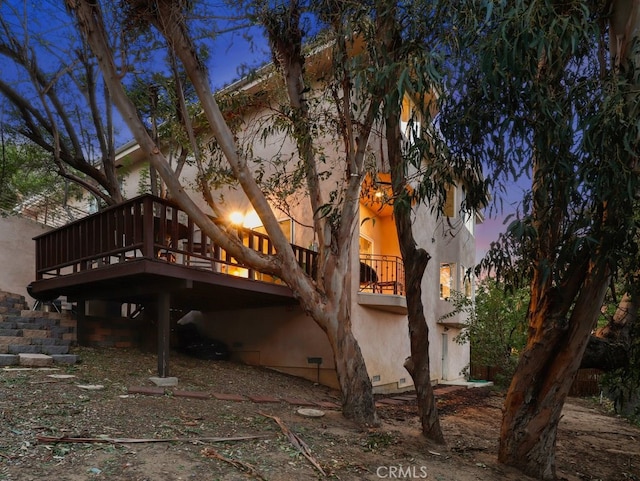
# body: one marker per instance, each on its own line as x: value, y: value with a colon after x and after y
x: 448, y: 241
x: 281, y: 338
x: 17, y: 254
x: 284, y: 339
x: 384, y: 342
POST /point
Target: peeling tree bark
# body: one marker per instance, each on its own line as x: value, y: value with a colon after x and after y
x: 562, y: 313
x: 545, y: 373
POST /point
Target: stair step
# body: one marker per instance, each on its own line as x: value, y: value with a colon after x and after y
x: 23, y: 349
x: 35, y: 333
x: 35, y: 324
x: 35, y: 360
x: 11, y: 332
x: 8, y: 340
x: 8, y: 359
x: 44, y: 341
x: 34, y: 337
x: 12, y: 307
x: 28, y: 313
x: 54, y: 349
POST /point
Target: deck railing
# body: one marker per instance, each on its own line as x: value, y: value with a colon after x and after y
x: 151, y: 228
x: 382, y: 274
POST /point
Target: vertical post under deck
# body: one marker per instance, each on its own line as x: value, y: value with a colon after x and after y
x: 164, y: 328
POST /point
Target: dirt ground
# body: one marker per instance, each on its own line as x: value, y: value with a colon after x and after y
x: 591, y: 444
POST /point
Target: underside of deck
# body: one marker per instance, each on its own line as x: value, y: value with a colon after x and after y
x: 140, y: 281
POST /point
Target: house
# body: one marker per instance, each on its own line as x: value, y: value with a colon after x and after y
x: 148, y: 254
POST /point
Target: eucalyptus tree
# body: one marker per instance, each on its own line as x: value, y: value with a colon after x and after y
x: 540, y: 93
x: 166, y: 103
x: 406, y: 44
x: 326, y: 296
x: 398, y: 65
x: 54, y: 98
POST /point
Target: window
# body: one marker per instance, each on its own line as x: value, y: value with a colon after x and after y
x: 450, y: 201
x: 469, y: 218
x: 447, y: 280
x: 409, y: 121
x: 469, y: 222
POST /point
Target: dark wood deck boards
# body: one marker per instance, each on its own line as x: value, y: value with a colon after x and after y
x: 139, y: 280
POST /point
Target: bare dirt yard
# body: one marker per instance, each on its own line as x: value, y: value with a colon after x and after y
x: 35, y: 407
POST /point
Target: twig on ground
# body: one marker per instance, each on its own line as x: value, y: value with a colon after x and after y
x: 241, y: 465
x: 297, y: 442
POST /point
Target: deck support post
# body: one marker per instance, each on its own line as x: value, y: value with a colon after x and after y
x: 163, y: 304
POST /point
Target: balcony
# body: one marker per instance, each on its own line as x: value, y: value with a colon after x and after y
x: 382, y: 274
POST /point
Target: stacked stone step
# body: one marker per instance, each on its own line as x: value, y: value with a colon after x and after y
x: 26, y: 334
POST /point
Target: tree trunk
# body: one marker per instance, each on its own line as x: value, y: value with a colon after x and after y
x: 328, y: 299
x: 546, y: 371
x: 357, y: 392
x: 418, y: 364
x: 415, y: 262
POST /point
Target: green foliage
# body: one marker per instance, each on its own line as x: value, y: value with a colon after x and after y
x: 537, y: 96
x: 622, y: 386
x: 144, y: 181
x: 495, y: 327
x: 26, y: 171
x: 407, y: 70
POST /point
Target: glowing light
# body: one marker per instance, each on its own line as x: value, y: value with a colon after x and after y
x: 236, y: 218
x: 238, y: 272
x: 379, y: 194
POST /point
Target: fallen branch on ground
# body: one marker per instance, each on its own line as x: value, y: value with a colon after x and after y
x: 71, y: 439
x: 297, y: 442
x: 241, y: 465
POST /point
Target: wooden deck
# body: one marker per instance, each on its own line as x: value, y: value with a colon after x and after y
x: 134, y: 251
x: 148, y: 252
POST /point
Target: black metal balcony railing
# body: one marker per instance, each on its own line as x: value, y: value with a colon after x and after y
x: 382, y: 274
x: 151, y: 228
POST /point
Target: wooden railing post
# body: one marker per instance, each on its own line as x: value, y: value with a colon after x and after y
x: 147, y: 228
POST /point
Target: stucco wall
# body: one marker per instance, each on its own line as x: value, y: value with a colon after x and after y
x: 281, y: 338
x: 447, y: 241
x: 17, y: 254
